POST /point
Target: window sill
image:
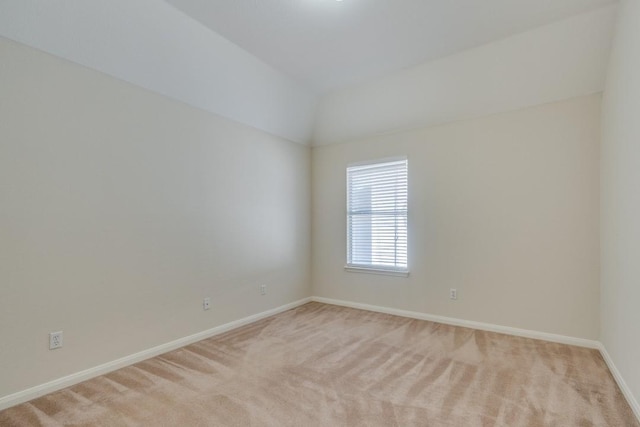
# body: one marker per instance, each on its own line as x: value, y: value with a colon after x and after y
x: 372, y: 270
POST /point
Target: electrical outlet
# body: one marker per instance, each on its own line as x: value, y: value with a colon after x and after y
x: 55, y: 340
x: 206, y: 303
x: 453, y: 293
x: 263, y: 289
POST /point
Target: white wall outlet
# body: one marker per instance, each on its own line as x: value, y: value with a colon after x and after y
x: 206, y: 303
x: 453, y: 293
x: 55, y: 340
x: 263, y: 289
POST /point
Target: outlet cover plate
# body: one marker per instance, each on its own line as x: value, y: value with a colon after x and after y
x: 55, y: 340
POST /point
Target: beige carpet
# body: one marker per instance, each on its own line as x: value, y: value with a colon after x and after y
x: 322, y: 365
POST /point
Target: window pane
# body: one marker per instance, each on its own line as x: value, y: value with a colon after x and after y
x: 377, y: 215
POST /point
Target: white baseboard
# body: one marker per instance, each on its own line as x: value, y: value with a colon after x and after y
x: 580, y: 342
x: 626, y: 391
x: 69, y: 380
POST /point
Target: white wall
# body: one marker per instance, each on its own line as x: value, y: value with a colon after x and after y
x: 153, y: 45
x: 551, y: 63
x: 620, y: 188
x: 121, y: 209
x: 503, y: 208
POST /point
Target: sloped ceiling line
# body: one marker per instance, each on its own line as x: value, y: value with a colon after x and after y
x: 161, y: 47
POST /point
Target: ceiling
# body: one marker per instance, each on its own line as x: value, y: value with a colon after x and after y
x: 326, y: 44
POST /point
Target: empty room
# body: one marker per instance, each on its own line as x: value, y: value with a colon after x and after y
x: 320, y: 213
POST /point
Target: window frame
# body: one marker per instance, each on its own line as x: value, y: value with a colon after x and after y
x: 372, y: 268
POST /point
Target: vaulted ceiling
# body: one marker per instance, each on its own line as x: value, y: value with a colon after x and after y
x: 324, y: 71
x: 329, y: 43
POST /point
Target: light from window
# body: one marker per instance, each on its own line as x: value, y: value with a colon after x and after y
x: 377, y: 216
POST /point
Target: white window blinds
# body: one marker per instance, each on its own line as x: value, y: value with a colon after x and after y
x: 377, y: 216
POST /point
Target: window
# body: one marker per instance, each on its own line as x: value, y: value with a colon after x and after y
x: 377, y: 217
